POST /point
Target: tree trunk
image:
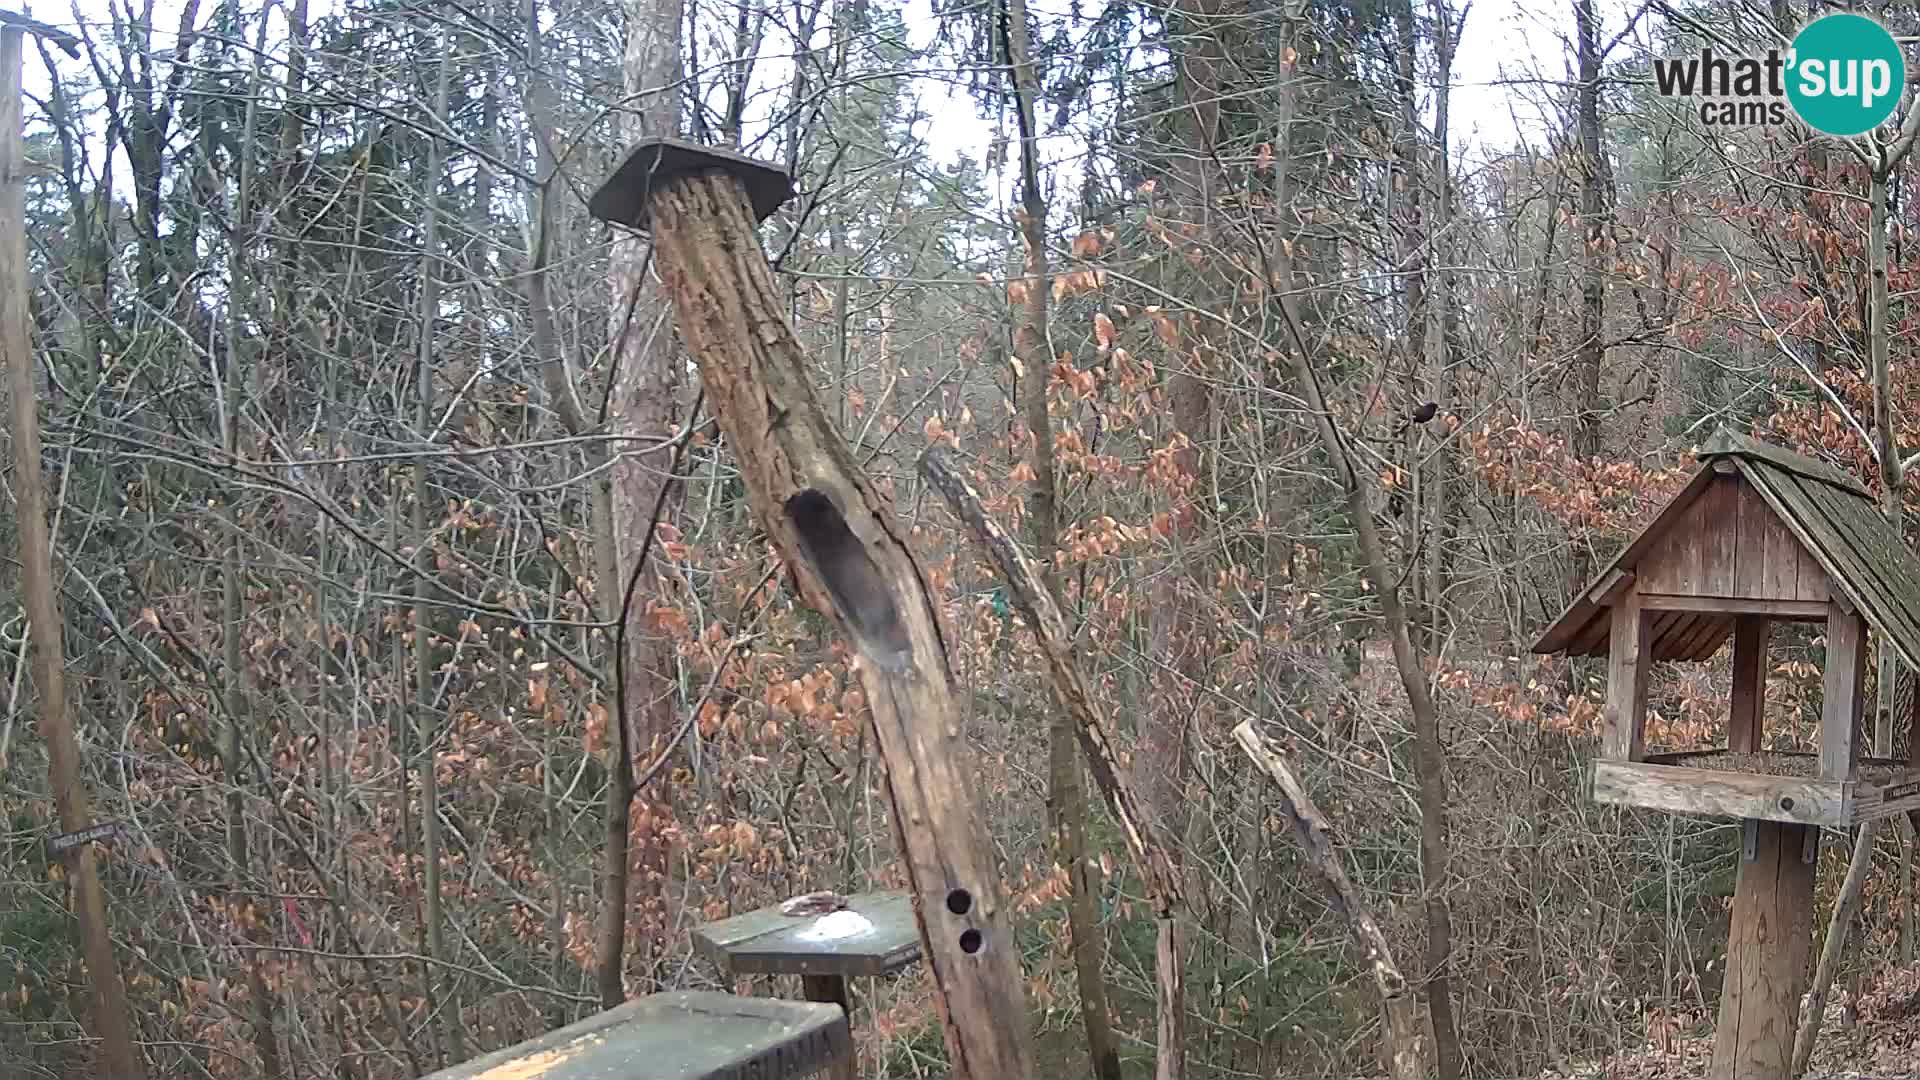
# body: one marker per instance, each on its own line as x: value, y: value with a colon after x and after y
x: 426, y: 730
x: 1066, y: 799
x: 1593, y: 261
x: 838, y: 534
x: 1176, y: 627
x: 1429, y: 757
x: 240, y: 281
x: 112, y: 1017
x: 1441, y: 333
x: 1847, y: 905
x: 643, y: 405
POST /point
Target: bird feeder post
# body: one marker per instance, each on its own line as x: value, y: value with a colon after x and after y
x: 1769, y: 937
x: 837, y: 532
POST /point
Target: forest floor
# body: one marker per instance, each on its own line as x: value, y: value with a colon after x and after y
x: 1878, y: 1038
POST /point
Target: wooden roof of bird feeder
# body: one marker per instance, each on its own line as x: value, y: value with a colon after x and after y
x: 1758, y: 535
x: 651, y: 166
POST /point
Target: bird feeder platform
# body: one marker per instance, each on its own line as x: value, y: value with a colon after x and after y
x: 1759, y: 535
x: 1768, y: 785
x: 867, y: 934
x: 681, y: 1035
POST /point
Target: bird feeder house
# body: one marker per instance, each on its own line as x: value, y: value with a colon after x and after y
x: 1759, y: 535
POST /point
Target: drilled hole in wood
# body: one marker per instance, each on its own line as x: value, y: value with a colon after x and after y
x: 959, y: 901
x: 1786, y: 802
x: 970, y: 941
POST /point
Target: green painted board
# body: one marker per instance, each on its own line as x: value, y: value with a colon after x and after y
x: 680, y: 1035
x: 766, y: 942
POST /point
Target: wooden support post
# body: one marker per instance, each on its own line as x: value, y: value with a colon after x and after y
x: 1841, y: 699
x: 832, y: 989
x: 1628, y: 657
x: 111, y: 1016
x: 1745, y: 724
x: 1768, y: 943
x: 836, y: 530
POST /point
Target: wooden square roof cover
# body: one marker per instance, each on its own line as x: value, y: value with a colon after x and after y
x: 653, y: 163
x: 1833, y: 516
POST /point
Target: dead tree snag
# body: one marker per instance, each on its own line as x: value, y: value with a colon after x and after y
x: 851, y: 561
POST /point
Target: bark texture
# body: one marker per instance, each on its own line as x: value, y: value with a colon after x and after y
x: 837, y: 533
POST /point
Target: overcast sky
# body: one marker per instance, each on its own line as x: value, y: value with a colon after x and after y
x: 1509, y: 50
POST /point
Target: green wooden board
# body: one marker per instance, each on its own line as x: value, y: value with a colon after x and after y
x: 766, y: 942
x: 681, y: 1035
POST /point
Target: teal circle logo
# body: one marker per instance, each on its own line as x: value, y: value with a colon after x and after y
x: 1847, y: 74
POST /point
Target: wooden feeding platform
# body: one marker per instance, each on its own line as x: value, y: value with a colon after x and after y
x: 680, y: 1035
x: 825, y: 942
x: 771, y: 942
x: 1759, y: 535
x: 1767, y: 785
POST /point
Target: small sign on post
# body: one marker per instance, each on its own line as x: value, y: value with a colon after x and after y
x: 58, y: 846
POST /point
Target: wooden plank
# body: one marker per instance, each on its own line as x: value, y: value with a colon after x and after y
x: 1577, y: 613
x: 1664, y: 635
x: 1677, y: 789
x: 1711, y: 646
x: 681, y: 1035
x: 1736, y: 605
x: 1812, y: 582
x: 1841, y: 697
x: 1891, y: 586
x: 1608, y: 588
x: 1706, y: 638
x: 1689, y: 545
x: 1745, y: 724
x: 832, y: 990
x: 1592, y: 638
x: 1784, y: 556
x: 1769, y: 939
x: 1627, y: 660
x: 1877, y: 572
x: 1673, y: 565
x: 1718, y: 534
x: 1752, y: 526
x: 1805, y: 520
x: 767, y: 942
